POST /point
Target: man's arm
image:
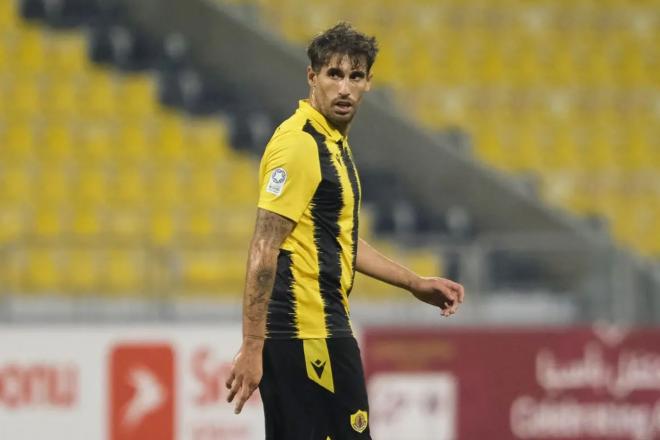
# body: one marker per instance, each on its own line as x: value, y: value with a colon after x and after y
x: 269, y: 233
x: 440, y: 292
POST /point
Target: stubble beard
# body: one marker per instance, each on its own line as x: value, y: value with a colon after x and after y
x: 341, y: 123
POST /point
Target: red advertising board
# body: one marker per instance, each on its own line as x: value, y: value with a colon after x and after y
x: 499, y: 384
x: 142, y: 392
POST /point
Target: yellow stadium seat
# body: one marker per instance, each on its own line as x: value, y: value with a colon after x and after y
x: 563, y: 152
x: 68, y: 55
x: 129, y: 187
x: 52, y: 185
x: 16, y: 185
x: 86, y: 223
x: 25, y: 98
x: 91, y: 187
x: 124, y: 271
x: 236, y: 225
x: 488, y: 144
x: 8, y: 15
x: 201, y: 225
x: 32, y: 52
x: 424, y: 262
x: 126, y: 225
x: 166, y: 188
x: 207, y: 141
x: 491, y: 64
x: 47, y: 223
x: 5, y: 56
x: 169, y: 142
x: 240, y: 182
x: 137, y: 95
x: 163, y: 227
x: 42, y: 270
x: 58, y: 142
x: 12, y: 223
x: 62, y: 99
x: 213, y: 272
x: 100, y: 95
x: 132, y: 146
x: 204, y: 187
x: 97, y: 143
x: 82, y: 270
x: 367, y: 287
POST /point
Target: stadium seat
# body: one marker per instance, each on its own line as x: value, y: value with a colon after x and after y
x: 31, y: 54
x: 62, y: 98
x: 12, y: 224
x: 26, y: 97
x: 82, y: 271
x: 41, y: 271
x: 67, y: 56
x: 137, y: 95
x: 125, y: 271
x: 52, y: 185
x: 126, y: 224
x: 57, y: 142
x: 163, y: 227
x: 86, y: 223
x: 212, y: 272
x: 16, y: 185
x: 47, y: 223
x: 96, y: 143
x: 201, y: 225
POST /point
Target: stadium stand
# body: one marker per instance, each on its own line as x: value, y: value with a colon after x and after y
x: 564, y: 91
x: 117, y: 171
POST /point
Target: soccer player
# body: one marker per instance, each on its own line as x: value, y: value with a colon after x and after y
x: 298, y: 345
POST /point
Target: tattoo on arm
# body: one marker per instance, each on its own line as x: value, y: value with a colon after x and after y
x: 270, y: 232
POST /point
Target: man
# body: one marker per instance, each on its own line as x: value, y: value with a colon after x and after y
x: 303, y: 257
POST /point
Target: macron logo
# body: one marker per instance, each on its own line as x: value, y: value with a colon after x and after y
x: 142, y: 392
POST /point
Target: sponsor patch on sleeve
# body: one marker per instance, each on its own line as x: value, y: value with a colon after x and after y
x: 276, y: 181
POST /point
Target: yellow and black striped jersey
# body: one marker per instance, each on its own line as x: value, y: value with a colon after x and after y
x: 307, y: 174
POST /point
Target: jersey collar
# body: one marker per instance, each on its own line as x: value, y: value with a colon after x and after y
x: 306, y: 108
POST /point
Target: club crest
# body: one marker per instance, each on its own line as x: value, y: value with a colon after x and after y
x: 359, y: 420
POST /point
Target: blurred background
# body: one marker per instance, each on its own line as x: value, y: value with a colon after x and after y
x: 511, y: 145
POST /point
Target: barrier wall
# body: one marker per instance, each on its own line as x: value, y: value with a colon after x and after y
x: 167, y: 382
x: 121, y: 383
x: 600, y: 383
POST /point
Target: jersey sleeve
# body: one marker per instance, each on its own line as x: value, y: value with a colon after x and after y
x: 289, y: 174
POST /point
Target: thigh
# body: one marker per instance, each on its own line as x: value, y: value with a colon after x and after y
x: 293, y: 404
x: 350, y: 406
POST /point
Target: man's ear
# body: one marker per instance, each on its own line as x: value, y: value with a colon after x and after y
x: 369, y: 77
x: 311, y: 76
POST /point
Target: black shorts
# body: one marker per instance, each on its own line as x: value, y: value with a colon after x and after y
x: 313, y: 389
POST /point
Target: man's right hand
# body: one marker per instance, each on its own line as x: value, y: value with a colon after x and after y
x: 246, y: 372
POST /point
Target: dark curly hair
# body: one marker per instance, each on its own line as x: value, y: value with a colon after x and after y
x: 341, y: 39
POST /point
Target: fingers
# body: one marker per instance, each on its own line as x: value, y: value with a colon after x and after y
x: 230, y: 379
x: 456, y: 287
x: 235, y: 387
x: 243, y: 396
x: 453, y: 298
x: 450, y: 308
x: 460, y: 291
x: 239, y: 387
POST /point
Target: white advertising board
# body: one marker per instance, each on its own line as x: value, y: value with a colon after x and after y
x: 121, y: 383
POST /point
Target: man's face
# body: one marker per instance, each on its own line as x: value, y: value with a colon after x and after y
x: 337, y: 89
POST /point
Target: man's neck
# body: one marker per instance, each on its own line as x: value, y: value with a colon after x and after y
x: 343, y: 130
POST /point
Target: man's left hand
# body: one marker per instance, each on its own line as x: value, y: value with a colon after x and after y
x: 440, y: 292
